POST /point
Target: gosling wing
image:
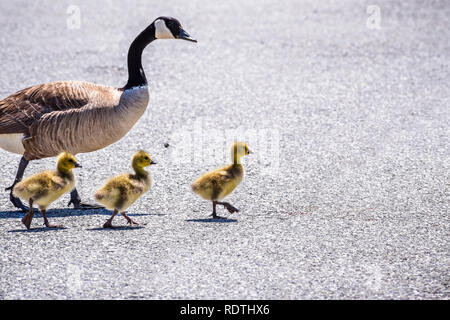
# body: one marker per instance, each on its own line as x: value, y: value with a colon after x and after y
x: 211, y: 184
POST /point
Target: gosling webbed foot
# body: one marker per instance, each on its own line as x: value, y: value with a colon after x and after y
x: 230, y: 208
x: 48, y: 224
x: 215, y: 216
x: 129, y: 220
x: 108, y: 225
x: 26, y: 220
x: 53, y: 226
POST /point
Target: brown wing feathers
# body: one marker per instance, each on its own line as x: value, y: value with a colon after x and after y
x: 20, y: 110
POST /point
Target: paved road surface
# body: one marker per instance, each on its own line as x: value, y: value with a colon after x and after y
x: 346, y: 196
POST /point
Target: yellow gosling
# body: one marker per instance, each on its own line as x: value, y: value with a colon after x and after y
x: 45, y: 187
x: 218, y: 184
x: 120, y: 192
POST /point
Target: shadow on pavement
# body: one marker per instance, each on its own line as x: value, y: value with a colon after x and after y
x: 116, y: 228
x: 42, y: 229
x: 68, y: 212
x: 211, y: 220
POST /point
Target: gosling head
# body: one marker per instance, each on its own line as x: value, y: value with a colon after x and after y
x: 238, y: 150
x: 141, y: 159
x: 170, y: 28
x: 67, y: 162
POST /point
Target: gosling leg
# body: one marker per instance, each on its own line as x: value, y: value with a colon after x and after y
x: 108, y: 223
x: 26, y: 220
x: 229, y: 207
x: 48, y: 224
x: 214, y: 214
x: 130, y: 222
x: 20, y: 171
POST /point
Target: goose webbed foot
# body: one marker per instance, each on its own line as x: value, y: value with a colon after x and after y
x: 77, y: 204
x: 84, y: 206
x: 17, y: 203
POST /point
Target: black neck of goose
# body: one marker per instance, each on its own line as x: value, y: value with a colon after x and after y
x: 136, y: 74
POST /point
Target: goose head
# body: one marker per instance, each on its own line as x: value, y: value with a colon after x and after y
x: 239, y: 150
x: 141, y: 159
x: 161, y: 28
x: 170, y: 28
x: 67, y: 162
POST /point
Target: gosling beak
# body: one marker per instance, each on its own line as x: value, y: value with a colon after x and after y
x: 152, y: 162
x: 250, y: 152
x: 185, y: 36
x: 77, y: 165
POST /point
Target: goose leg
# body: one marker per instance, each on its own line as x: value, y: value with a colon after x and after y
x: 77, y: 204
x: 26, y: 220
x: 16, y: 201
x: 48, y: 224
x: 108, y: 223
x: 130, y: 222
x: 229, y: 207
x: 214, y: 214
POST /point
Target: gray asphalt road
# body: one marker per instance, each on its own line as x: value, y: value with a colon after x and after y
x: 346, y: 196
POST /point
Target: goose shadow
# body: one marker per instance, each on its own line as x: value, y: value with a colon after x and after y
x: 212, y: 220
x: 68, y: 212
x: 64, y: 212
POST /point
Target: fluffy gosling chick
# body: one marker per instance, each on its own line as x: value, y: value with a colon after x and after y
x: 122, y: 191
x: 45, y: 187
x: 217, y: 184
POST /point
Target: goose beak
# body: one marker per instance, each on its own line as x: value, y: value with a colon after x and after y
x: 77, y: 165
x: 185, y: 36
x: 152, y: 162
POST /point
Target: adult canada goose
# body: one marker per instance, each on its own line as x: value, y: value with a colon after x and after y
x: 120, y: 192
x: 79, y: 117
x: 217, y: 184
x: 45, y: 187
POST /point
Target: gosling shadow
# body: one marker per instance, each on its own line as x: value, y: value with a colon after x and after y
x: 212, y: 220
x: 40, y: 229
x: 145, y: 214
x: 117, y: 228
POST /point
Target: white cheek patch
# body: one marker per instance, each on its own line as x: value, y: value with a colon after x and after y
x: 161, y: 30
